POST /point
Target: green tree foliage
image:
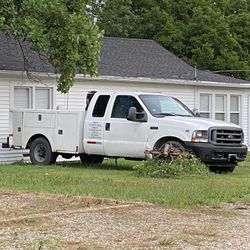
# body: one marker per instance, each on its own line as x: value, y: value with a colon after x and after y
x: 121, y: 23
x: 213, y: 35
x: 60, y: 28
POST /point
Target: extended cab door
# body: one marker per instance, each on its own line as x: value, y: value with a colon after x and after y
x: 123, y: 137
x: 94, y: 125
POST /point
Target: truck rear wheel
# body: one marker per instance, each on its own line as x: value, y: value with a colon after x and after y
x: 92, y: 159
x: 41, y: 153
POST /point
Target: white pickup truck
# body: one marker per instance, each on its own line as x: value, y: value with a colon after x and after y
x: 126, y: 124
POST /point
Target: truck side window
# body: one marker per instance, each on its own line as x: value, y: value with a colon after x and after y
x: 122, y: 105
x: 100, y: 106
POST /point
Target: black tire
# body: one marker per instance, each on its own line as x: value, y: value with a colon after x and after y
x: 221, y: 169
x: 92, y: 159
x: 40, y: 152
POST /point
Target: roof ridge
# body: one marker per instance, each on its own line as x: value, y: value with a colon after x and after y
x: 128, y: 38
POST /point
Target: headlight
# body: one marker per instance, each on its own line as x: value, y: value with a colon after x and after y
x: 243, y: 137
x: 200, y: 136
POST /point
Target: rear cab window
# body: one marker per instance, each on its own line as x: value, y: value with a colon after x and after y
x: 101, y: 106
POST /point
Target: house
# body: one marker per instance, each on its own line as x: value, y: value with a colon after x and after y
x: 125, y: 64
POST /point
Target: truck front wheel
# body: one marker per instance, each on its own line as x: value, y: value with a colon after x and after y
x: 175, y: 144
x: 40, y: 152
x: 92, y: 159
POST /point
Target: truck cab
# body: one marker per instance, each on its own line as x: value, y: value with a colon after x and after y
x: 131, y: 123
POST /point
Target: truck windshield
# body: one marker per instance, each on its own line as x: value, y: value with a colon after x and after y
x: 161, y: 106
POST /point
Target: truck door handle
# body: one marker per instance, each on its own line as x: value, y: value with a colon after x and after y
x: 107, y: 126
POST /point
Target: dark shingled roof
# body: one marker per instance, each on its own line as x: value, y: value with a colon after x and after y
x: 121, y: 57
x: 11, y: 57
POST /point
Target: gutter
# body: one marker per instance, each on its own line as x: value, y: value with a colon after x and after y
x: 102, y: 78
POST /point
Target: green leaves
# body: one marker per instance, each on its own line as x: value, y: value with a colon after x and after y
x: 60, y: 28
x: 116, y: 17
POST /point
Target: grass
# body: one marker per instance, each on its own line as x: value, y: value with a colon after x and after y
x: 120, y: 182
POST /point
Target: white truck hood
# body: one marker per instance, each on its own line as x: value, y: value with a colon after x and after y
x: 194, y: 123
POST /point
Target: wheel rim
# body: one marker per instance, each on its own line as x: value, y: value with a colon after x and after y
x: 40, y: 153
x: 173, y: 145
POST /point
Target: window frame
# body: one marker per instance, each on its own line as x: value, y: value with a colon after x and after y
x: 227, y: 104
x: 128, y: 96
x: 209, y: 111
x: 32, y: 95
x: 106, y: 106
x: 224, y: 112
x: 50, y: 104
x: 239, y: 108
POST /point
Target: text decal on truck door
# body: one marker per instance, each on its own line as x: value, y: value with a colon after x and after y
x: 95, y: 130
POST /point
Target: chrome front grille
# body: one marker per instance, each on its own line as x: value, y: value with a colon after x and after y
x: 226, y: 136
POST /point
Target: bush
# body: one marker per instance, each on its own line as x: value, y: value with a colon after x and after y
x: 160, y: 168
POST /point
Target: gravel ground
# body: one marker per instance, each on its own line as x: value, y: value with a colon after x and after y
x: 39, y: 221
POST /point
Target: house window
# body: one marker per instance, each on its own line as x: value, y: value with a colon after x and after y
x: 22, y: 98
x: 205, y: 105
x: 43, y: 98
x: 33, y: 97
x: 235, y: 109
x: 220, y: 107
x: 224, y: 107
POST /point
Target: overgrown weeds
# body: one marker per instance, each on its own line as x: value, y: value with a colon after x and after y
x: 160, y: 168
x: 170, y: 162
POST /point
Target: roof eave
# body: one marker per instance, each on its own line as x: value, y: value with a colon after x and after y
x: 103, y: 78
x: 163, y: 81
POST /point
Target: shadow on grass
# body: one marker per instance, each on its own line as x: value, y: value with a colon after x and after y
x: 109, y: 164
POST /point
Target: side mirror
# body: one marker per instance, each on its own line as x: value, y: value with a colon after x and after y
x: 196, y: 112
x: 135, y: 116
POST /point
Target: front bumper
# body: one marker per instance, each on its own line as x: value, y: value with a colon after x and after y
x: 219, y: 155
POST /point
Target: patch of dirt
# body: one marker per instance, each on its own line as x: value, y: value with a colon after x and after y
x: 41, y: 221
x: 14, y: 204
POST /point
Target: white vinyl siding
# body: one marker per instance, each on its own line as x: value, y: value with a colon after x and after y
x: 4, y: 111
x: 76, y: 98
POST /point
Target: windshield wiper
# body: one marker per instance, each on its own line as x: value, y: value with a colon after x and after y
x: 165, y: 114
x: 184, y: 115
